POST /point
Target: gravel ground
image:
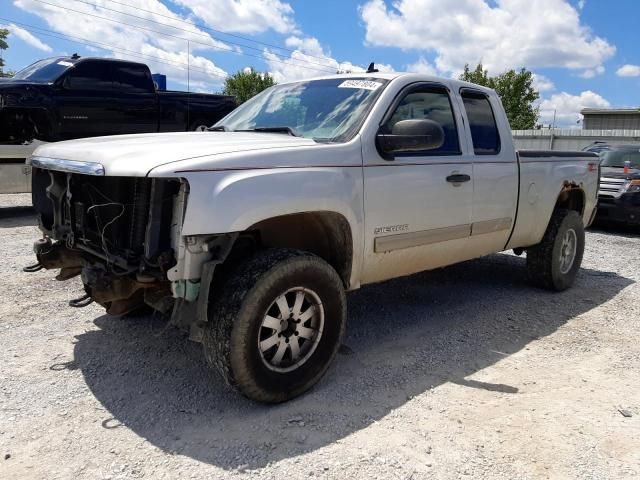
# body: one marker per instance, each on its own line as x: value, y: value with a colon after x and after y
x: 462, y: 372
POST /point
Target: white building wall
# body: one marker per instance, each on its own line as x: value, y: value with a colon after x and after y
x: 571, y: 139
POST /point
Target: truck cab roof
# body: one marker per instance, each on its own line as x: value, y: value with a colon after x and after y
x: 405, y: 76
x: 48, y: 70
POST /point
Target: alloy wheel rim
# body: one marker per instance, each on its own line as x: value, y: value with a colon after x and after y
x: 568, y: 250
x: 291, y: 329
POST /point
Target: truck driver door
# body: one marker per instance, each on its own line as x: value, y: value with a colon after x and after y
x: 83, y: 100
x: 417, y: 205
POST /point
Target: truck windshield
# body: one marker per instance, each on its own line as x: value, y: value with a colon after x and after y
x: 616, y: 158
x: 45, y: 71
x: 328, y: 110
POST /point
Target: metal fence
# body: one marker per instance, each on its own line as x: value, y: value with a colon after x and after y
x: 571, y: 138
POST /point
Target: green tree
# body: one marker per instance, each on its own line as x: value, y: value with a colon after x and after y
x: 246, y: 84
x: 4, y: 33
x: 516, y: 91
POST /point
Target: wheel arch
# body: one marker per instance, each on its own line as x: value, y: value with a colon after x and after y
x: 326, y: 234
x: 278, y: 202
x: 529, y: 229
x: 571, y: 197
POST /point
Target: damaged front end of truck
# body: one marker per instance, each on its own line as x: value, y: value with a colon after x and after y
x: 122, y: 236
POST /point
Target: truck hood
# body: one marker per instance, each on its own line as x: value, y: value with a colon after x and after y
x: 137, y: 155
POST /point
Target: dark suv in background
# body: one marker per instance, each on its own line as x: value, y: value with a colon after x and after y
x: 619, y: 193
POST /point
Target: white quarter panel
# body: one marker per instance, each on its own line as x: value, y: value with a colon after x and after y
x: 541, y: 182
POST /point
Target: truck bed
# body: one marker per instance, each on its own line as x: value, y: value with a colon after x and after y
x: 544, y: 173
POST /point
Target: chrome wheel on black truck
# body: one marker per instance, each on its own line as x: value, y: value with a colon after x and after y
x: 277, y: 324
x: 555, y: 261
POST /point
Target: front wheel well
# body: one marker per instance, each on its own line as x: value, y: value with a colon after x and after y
x: 325, y: 234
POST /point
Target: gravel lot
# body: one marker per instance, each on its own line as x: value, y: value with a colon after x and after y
x: 461, y: 372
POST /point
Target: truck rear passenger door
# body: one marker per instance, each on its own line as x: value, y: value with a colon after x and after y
x: 495, y: 172
x: 417, y: 205
x: 136, y: 105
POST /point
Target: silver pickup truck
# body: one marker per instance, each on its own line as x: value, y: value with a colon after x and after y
x: 250, y: 234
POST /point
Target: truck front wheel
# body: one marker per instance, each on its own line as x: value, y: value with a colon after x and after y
x: 276, y: 324
x: 554, y: 262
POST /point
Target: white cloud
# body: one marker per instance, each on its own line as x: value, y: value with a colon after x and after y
x: 309, y: 59
x: 581, y: 4
x: 166, y: 54
x: 28, y: 38
x: 567, y: 107
x: 592, y: 72
x: 542, y: 83
x: 244, y: 16
x: 502, y: 34
x: 423, y: 66
x: 629, y: 71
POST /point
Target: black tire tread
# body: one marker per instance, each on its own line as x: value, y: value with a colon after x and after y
x: 227, y: 304
x: 540, y: 257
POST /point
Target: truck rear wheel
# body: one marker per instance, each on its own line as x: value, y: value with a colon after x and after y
x: 276, y: 325
x: 554, y: 262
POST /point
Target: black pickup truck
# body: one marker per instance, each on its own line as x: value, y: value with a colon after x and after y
x: 71, y: 97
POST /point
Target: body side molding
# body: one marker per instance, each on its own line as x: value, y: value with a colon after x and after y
x: 388, y: 243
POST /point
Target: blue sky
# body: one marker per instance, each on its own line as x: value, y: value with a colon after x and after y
x: 584, y: 52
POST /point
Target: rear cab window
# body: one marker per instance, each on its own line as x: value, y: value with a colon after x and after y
x: 132, y: 78
x: 482, y: 122
x: 428, y: 102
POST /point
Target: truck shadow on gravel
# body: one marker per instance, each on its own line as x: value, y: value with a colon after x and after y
x: 11, y: 217
x: 405, y: 336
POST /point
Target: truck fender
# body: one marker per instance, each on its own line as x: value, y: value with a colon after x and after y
x: 223, y: 202
x: 234, y: 201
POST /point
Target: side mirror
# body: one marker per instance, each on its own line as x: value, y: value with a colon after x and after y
x: 411, y: 136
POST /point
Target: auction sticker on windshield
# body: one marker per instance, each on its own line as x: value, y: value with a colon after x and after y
x: 363, y: 84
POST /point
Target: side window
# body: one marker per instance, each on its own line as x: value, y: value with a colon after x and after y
x: 431, y: 104
x: 482, y: 123
x: 89, y: 76
x: 132, y: 78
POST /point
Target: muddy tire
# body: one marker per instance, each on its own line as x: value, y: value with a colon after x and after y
x: 276, y: 324
x: 554, y: 263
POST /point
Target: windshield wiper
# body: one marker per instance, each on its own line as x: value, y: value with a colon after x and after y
x: 287, y: 130
x: 220, y: 128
